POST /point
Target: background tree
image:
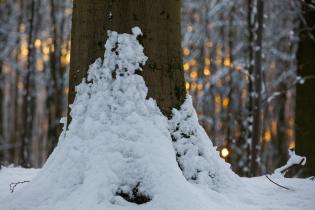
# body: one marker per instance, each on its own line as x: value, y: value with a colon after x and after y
x: 305, y: 100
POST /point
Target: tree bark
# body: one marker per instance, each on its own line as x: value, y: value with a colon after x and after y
x: 305, y: 100
x: 257, y: 124
x: 29, y: 96
x: 160, y: 24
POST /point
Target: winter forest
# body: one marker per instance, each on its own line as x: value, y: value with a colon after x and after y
x: 157, y: 104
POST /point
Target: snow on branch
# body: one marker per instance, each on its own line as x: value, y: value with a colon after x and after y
x: 293, y: 160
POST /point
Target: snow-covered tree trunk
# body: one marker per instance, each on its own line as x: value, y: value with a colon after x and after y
x: 160, y: 23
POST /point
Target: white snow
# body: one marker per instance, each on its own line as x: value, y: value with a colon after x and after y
x: 293, y: 160
x: 120, y: 145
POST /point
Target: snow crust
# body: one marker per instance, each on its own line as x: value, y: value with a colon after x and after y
x: 119, y: 141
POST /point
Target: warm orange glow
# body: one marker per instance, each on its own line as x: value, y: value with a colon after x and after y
x: 192, y: 62
x: 224, y: 152
x: 193, y: 86
x: 187, y: 86
x: 52, y: 48
x: 206, y: 71
x: 186, y: 66
x: 268, y: 135
x: 207, y: 61
x: 46, y: 50
x: 292, y: 145
x: 23, y: 51
x: 227, y: 62
x: 66, y: 90
x: 186, y: 51
x: 274, y: 127
x: 226, y: 102
x: 37, y: 43
x: 193, y: 74
x: 290, y: 132
x: 65, y: 59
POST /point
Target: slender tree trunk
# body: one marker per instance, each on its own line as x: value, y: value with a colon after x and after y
x: 257, y: 122
x: 160, y: 23
x: 248, y: 127
x: 305, y: 100
x: 28, y: 95
x: 1, y: 115
x: 55, y: 89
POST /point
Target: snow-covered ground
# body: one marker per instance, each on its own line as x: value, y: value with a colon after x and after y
x: 121, y: 153
x: 256, y: 193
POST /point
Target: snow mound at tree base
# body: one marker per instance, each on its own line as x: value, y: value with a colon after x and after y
x: 120, y: 152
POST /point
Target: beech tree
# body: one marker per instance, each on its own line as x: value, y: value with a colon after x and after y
x: 160, y: 24
x: 305, y: 100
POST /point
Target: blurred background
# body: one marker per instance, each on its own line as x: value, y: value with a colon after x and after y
x: 219, y: 40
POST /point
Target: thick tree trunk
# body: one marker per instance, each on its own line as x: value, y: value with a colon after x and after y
x: 160, y: 23
x: 305, y: 100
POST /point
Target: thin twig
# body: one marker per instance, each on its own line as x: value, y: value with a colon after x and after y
x: 277, y: 183
x: 14, y: 184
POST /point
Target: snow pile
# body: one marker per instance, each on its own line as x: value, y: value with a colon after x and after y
x: 195, y: 154
x: 117, y: 152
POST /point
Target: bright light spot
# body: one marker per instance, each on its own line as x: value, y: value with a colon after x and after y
x: 227, y: 62
x: 37, y: 43
x: 186, y: 51
x: 206, y: 71
x: 186, y: 66
x: 226, y: 102
x: 187, y: 86
x: 46, y: 50
x: 194, y: 74
x: 225, y: 152
x: 292, y: 145
x: 268, y: 135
